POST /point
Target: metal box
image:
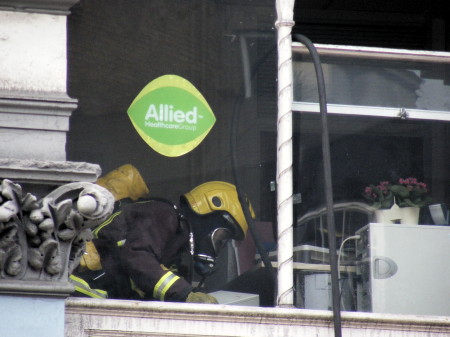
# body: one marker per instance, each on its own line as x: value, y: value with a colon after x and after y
x: 404, y: 269
x: 235, y: 298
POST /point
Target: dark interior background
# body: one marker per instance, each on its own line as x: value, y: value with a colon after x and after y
x: 116, y: 47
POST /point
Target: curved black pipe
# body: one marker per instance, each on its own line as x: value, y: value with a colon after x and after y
x: 328, y: 183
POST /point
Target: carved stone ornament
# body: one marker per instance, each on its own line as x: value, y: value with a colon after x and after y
x: 45, y: 239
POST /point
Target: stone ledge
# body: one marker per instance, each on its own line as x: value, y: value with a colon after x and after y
x: 40, y: 114
x: 38, y: 6
x: 86, y: 317
x: 36, y: 288
x: 35, y: 127
x: 48, y: 172
x: 44, y: 103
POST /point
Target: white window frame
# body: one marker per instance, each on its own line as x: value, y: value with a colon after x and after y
x: 376, y: 54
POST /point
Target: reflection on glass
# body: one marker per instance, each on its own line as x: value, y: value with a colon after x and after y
x: 353, y: 80
x: 382, y: 253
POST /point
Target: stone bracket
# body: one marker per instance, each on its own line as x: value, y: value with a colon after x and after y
x: 43, y: 240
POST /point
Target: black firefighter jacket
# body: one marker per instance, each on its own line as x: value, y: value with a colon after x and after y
x: 141, y: 248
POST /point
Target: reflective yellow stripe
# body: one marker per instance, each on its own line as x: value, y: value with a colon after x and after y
x: 83, y: 287
x: 105, y: 223
x: 79, y: 280
x: 90, y: 293
x: 121, y: 242
x: 169, y: 284
x: 164, y: 284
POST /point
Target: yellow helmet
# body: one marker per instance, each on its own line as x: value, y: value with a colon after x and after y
x: 219, y: 196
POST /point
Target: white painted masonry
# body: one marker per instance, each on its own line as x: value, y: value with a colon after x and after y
x: 33, y: 52
x: 119, y: 318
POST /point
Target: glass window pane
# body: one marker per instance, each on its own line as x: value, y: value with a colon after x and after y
x: 380, y: 168
x: 227, y: 52
x: 375, y: 77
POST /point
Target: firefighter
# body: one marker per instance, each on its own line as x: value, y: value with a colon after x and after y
x: 148, y: 247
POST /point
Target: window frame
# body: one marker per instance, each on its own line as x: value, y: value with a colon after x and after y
x: 374, y: 54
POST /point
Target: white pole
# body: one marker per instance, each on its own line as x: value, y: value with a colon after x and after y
x: 284, y: 24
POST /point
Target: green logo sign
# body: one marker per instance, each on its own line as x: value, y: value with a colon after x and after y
x: 171, y: 115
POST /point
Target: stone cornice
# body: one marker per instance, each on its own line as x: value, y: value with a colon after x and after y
x: 33, y: 288
x: 48, y: 172
x: 42, y: 105
x: 61, y: 7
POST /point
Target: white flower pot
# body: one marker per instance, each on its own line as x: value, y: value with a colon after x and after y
x: 402, y: 215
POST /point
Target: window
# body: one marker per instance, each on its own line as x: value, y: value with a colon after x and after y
x: 359, y: 80
x: 116, y: 48
x: 388, y: 122
x: 389, y: 116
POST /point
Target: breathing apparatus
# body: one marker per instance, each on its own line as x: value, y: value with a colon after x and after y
x: 215, y: 216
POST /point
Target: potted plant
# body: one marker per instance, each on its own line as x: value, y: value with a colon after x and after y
x: 410, y: 192
x: 380, y: 195
x: 398, y: 202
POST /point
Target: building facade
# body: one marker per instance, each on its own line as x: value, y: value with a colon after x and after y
x: 83, y: 91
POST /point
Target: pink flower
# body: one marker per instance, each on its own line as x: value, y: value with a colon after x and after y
x: 407, y: 192
x: 384, y: 187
